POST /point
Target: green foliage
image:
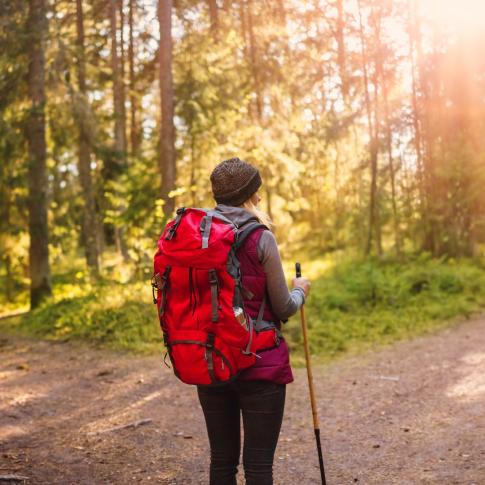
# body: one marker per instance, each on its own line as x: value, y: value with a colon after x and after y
x: 363, y: 303
x: 113, y: 315
x: 353, y: 306
x: 266, y: 85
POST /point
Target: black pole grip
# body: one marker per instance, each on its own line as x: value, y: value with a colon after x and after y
x: 298, y: 270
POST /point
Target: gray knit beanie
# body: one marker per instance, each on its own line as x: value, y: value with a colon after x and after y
x: 234, y: 181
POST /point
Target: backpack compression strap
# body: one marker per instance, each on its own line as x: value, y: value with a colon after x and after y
x: 173, y: 229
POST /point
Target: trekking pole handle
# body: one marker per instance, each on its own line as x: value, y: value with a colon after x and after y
x: 298, y: 270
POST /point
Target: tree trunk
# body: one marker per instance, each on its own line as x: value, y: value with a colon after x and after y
x: 40, y: 280
x: 119, y: 110
x: 118, y: 98
x: 285, y: 38
x: 416, y: 122
x: 244, y: 28
x: 89, y: 225
x: 135, y: 129
x: 381, y: 75
x: 269, y: 202
x: 5, y: 205
x: 430, y: 242
x: 214, y: 17
x: 8, y: 278
x: 341, y: 51
x: 373, y: 229
x: 375, y: 154
x: 254, y: 63
x: 167, y: 132
x: 121, y: 53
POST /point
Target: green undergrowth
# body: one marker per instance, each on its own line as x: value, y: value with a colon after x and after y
x: 362, y: 304
x: 353, y: 306
x: 107, y: 314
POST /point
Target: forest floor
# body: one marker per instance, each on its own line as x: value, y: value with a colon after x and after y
x: 412, y: 413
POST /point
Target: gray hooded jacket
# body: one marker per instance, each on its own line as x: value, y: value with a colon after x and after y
x: 284, y: 303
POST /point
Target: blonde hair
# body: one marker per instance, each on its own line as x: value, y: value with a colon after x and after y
x: 262, y: 217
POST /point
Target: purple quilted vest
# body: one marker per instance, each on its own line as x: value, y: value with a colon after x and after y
x: 274, y: 364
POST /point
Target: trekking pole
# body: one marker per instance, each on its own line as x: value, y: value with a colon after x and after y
x: 316, y: 427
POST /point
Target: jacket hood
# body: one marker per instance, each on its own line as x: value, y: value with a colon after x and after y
x: 238, y: 215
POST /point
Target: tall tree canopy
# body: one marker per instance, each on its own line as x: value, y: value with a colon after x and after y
x: 365, y: 117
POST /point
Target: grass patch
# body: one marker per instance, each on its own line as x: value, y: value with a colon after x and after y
x: 353, y: 306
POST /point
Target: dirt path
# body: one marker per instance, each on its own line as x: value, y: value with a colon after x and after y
x: 411, y: 414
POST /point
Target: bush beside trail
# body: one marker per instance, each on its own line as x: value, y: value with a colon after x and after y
x: 362, y: 303
x: 352, y: 306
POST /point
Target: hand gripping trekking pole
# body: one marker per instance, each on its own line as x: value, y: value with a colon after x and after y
x: 310, y: 384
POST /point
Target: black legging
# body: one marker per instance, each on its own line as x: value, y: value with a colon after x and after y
x: 262, y: 404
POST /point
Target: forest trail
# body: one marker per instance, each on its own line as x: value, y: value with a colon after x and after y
x: 413, y: 413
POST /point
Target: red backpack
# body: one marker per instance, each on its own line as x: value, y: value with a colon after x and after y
x: 208, y: 335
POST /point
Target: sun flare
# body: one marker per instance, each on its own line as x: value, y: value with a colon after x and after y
x: 462, y: 16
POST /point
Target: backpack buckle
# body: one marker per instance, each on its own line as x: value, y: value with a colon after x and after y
x: 164, y: 279
x: 156, y: 283
x: 210, y: 341
x: 213, y: 280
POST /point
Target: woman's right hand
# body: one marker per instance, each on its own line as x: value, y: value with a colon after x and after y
x: 302, y: 283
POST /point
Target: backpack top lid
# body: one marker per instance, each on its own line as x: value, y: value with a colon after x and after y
x: 202, y: 238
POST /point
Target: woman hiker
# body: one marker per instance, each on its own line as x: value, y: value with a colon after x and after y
x: 259, y: 391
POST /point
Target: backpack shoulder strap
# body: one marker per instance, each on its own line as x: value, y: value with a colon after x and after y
x: 246, y: 230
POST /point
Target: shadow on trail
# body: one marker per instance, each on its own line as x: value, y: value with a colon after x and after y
x: 56, y: 396
x: 413, y: 413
